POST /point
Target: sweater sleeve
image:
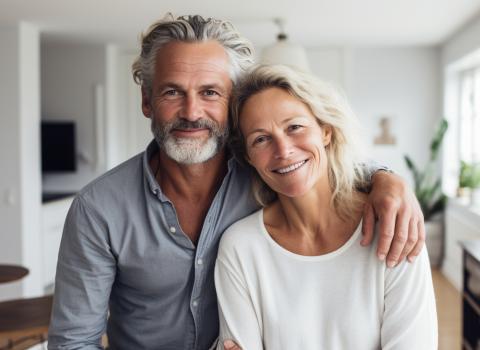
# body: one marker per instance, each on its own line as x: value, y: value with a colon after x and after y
x: 410, y: 317
x: 238, y: 319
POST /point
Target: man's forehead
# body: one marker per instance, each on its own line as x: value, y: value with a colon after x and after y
x: 197, y: 67
x: 207, y: 56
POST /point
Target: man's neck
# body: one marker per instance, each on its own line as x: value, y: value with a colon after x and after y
x: 190, y: 181
x: 191, y: 188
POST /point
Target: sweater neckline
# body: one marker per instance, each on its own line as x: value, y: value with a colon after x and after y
x: 323, y: 257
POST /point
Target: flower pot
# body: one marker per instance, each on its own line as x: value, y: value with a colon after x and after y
x: 463, y: 192
x: 434, y: 238
x: 475, y: 197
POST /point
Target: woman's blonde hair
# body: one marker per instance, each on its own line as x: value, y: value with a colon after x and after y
x: 330, y: 108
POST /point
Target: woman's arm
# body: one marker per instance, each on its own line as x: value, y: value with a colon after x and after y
x: 410, y: 317
x: 238, y: 320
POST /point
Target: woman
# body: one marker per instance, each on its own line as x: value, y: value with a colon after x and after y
x: 293, y: 275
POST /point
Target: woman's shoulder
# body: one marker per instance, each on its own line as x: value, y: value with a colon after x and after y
x: 243, y: 232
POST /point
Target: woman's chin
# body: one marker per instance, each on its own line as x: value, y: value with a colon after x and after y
x: 294, y: 192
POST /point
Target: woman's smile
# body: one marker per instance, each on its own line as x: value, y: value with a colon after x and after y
x: 290, y: 168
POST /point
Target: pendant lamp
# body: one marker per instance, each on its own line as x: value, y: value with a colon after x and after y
x: 285, y: 52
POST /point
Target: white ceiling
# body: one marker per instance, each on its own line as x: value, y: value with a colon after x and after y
x: 311, y: 23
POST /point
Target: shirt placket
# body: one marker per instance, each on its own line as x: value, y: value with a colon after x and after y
x: 206, y: 238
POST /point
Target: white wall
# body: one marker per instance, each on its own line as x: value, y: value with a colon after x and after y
x: 403, y: 84
x: 19, y: 153
x: 70, y: 75
x: 463, y: 42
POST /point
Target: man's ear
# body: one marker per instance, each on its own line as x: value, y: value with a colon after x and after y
x: 146, y: 103
x: 327, y: 134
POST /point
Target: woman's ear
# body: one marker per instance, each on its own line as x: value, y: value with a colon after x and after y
x: 327, y: 134
x: 247, y: 158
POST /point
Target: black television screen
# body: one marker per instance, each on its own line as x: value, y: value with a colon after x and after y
x: 58, y: 147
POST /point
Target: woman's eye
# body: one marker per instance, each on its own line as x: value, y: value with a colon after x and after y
x: 259, y: 140
x: 294, y: 127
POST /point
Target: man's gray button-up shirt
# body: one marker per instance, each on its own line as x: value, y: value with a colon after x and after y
x: 124, y: 254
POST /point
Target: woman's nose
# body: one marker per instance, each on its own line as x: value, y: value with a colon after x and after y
x: 283, y: 148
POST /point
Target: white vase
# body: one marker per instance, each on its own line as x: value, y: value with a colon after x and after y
x: 434, y: 240
x: 475, y: 197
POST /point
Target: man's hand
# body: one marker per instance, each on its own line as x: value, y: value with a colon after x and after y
x: 400, y: 219
x: 230, y: 345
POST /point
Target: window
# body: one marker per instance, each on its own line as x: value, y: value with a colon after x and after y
x: 469, y: 116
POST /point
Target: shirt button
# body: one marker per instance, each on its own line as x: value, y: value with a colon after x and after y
x: 195, y: 303
x: 200, y: 262
x: 173, y: 229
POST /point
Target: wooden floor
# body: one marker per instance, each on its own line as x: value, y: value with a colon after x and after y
x: 448, y: 309
x: 449, y: 312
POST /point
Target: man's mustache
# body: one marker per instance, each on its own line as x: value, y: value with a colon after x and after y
x: 185, y: 124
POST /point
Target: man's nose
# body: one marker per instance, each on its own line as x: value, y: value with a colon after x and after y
x: 283, y: 148
x: 192, y: 109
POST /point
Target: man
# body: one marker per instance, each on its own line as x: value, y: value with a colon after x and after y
x: 140, y: 242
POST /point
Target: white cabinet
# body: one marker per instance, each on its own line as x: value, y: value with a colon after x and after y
x: 53, y: 219
x: 461, y: 223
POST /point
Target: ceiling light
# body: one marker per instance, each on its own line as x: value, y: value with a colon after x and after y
x: 284, y: 52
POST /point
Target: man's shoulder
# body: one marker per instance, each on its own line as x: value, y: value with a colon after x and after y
x: 125, y: 177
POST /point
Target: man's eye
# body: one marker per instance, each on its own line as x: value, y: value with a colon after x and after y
x: 210, y: 93
x: 171, y: 92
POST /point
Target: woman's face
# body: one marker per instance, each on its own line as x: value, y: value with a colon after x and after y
x: 284, y: 142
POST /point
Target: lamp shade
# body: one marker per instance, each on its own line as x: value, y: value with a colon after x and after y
x: 284, y: 52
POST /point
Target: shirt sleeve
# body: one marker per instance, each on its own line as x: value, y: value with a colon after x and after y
x: 85, y: 273
x: 366, y: 171
x: 410, y: 317
x: 238, y: 319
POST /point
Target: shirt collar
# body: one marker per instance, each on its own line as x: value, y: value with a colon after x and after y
x: 153, y: 185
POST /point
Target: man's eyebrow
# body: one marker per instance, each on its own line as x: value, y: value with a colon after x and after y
x: 213, y: 86
x: 169, y: 84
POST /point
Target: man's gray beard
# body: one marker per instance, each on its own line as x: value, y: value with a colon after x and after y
x: 189, y: 150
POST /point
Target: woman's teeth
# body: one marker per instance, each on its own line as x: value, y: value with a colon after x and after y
x: 290, y: 167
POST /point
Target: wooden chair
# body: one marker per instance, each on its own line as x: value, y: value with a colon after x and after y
x: 23, y: 322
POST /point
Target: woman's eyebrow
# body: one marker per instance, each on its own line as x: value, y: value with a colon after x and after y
x: 258, y: 130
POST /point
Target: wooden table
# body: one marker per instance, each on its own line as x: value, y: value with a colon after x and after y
x: 24, y: 320
x: 10, y: 273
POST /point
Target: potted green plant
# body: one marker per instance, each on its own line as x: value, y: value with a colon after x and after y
x: 464, y: 180
x: 469, y: 182
x: 474, y: 184
x: 428, y: 189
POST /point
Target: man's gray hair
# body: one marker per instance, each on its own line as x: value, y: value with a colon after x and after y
x: 191, y: 29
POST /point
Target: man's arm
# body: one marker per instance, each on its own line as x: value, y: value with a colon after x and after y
x: 85, y: 273
x: 400, y: 218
